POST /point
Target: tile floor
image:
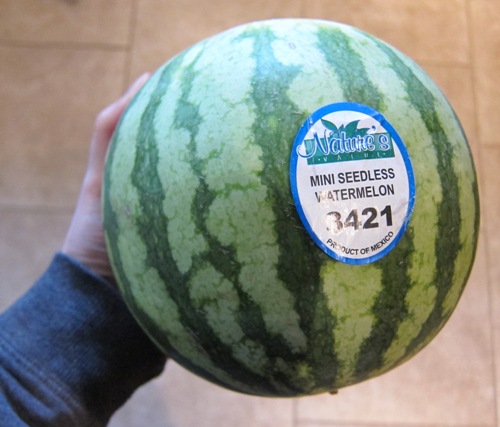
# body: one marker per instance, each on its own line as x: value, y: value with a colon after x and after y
x: 61, y: 61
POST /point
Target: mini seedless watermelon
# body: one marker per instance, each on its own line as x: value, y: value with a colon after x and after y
x: 208, y: 243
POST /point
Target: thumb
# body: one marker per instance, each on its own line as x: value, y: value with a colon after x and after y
x: 106, y: 123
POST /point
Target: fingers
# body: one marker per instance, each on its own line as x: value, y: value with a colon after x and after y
x: 85, y: 240
x: 106, y: 122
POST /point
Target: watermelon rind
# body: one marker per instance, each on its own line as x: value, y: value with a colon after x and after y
x: 204, y: 237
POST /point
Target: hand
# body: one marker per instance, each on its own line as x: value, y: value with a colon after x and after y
x: 85, y: 238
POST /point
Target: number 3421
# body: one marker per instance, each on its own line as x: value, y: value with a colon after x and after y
x: 371, y: 218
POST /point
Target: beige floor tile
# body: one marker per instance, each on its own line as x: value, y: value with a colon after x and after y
x: 426, y: 30
x: 69, y: 21
x: 448, y: 383
x: 488, y: 105
x: 28, y: 241
x: 48, y: 100
x: 164, y: 29
x: 490, y: 159
x: 47, y: 111
x: 322, y: 424
x: 496, y: 341
x: 180, y: 399
x: 485, y: 27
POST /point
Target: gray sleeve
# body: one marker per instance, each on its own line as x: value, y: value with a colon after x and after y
x: 70, y: 352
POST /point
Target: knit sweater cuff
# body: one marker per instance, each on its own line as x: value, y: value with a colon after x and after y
x: 73, y: 348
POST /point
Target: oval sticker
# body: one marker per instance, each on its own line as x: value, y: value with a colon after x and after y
x: 352, y: 182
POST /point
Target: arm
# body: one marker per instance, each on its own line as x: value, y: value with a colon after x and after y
x: 70, y: 352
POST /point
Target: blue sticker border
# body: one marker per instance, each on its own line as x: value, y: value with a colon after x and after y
x: 304, y: 129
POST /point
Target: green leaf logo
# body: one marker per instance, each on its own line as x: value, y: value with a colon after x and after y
x: 345, y: 143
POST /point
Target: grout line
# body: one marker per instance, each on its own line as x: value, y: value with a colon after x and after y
x: 302, y: 8
x: 134, y: 10
x: 493, y: 349
x: 485, y: 236
x: 491, y: 145
x: 324, y: 423
x: 480, y: 171
x: 295, y: 415
x: 36, y: 208
x: 444, y: 64
x: 472, y: 62
x: 63, y: 45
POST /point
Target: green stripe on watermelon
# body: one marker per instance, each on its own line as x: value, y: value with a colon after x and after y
x: 447, y: 238
x: 145, y: 178
x: 389, y: 308
x: 422, y: 264
x: 349, y: 66
x: 310, y: 324
x: 192, y: 356
x: 276, y: 120
x: 224, y: 259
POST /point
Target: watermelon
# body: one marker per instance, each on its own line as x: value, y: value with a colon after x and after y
x: 211, y: 238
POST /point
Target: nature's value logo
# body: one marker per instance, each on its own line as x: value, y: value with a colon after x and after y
x: 352, y: 182
x: 332, y: 143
